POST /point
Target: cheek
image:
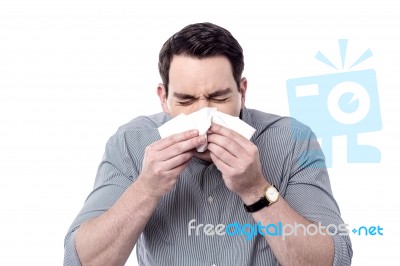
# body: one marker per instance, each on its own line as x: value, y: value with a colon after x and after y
x: 174, y: 110
x: 235, y: 106
x: 171, y: 109
x: 232, y: 108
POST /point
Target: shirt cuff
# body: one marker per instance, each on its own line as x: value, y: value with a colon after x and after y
x: 343, y: 251
x: 71, y: 257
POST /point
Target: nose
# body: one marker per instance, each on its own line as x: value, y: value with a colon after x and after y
x: 199, y: 104
x: 203, y: 103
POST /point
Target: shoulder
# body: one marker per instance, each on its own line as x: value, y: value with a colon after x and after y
x: 286, y: 143
x: 275, y: 125
x: 138, y: 133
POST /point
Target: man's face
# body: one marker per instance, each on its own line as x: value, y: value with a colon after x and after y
x: 196, y: 83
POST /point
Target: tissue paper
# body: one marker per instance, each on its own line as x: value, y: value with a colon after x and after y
x: 201, y: 120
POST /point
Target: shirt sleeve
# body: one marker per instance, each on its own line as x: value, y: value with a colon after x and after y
x: 309, y: 191
x: 119, y: 168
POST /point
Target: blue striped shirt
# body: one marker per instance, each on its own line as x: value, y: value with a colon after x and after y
x: 291, y: 160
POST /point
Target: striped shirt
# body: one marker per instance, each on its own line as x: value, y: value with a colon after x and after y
x: 291, y: 160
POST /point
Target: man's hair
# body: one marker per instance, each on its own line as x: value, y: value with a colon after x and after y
x: 201, y: 40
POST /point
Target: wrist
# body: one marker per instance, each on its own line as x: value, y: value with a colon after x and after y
x: 144, y: 191
x: 255, y: 193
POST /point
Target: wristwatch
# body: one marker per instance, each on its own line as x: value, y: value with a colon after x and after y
x: 271, y: 195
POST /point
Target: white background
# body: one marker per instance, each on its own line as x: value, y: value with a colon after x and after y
x: 72, y: 71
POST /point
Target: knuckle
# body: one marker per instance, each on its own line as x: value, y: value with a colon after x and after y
x: 219, y: 152
x: 158, y: 172
x: 227, y: 143
x: 181, y: 159
x: 188, y: 134
x: 178, y: 148
x: 195, y: 142
x: 169, y: 177
x: 151, y: 159
x: 254, y: 148
x: 186, y: 157
x: 241, y: 170
x: 148, y: 149
x: 174, y: 139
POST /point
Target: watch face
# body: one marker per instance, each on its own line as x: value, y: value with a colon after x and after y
x: 272, y: 194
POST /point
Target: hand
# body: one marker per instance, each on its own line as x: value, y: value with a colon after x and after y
x: 165, y: 159
x: 238, y: 160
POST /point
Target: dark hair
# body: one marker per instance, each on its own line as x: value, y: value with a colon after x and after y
x: 201, y: 40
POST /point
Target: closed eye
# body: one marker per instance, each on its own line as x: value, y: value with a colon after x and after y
x: 219, y: 100
x: 187, y: 102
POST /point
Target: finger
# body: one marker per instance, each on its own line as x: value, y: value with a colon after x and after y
x: 176, y: 138
x: 176, y: 161
x: 224, y: 131
x: 221, y: 166
x: 175, y: 172
x: 181, y: 147
x: 229, y: 144
x: 222, y: 154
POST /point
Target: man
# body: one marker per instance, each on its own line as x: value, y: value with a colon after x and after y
x: 163, y: 196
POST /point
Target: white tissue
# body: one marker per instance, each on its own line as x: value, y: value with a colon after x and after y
x: 201, y: 120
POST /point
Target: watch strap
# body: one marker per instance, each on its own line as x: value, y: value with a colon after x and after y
x: 258, y: 205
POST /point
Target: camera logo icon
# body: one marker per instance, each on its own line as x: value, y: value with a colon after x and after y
x: 344, y: 103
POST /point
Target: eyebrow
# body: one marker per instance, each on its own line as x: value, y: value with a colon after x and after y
x: 220, y: 93
x: 184, y: 96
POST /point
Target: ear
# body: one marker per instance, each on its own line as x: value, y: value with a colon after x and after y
x: 162, y: 94
x: 243, y: 90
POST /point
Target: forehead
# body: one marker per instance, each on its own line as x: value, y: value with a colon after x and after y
x: 191, y: 74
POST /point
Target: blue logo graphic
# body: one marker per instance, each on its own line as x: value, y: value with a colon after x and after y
x: 249, y: 231
x: 344, y: 103
x: 368, y: 231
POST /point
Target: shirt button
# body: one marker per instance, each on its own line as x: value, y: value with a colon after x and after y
x: 210, y: 199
